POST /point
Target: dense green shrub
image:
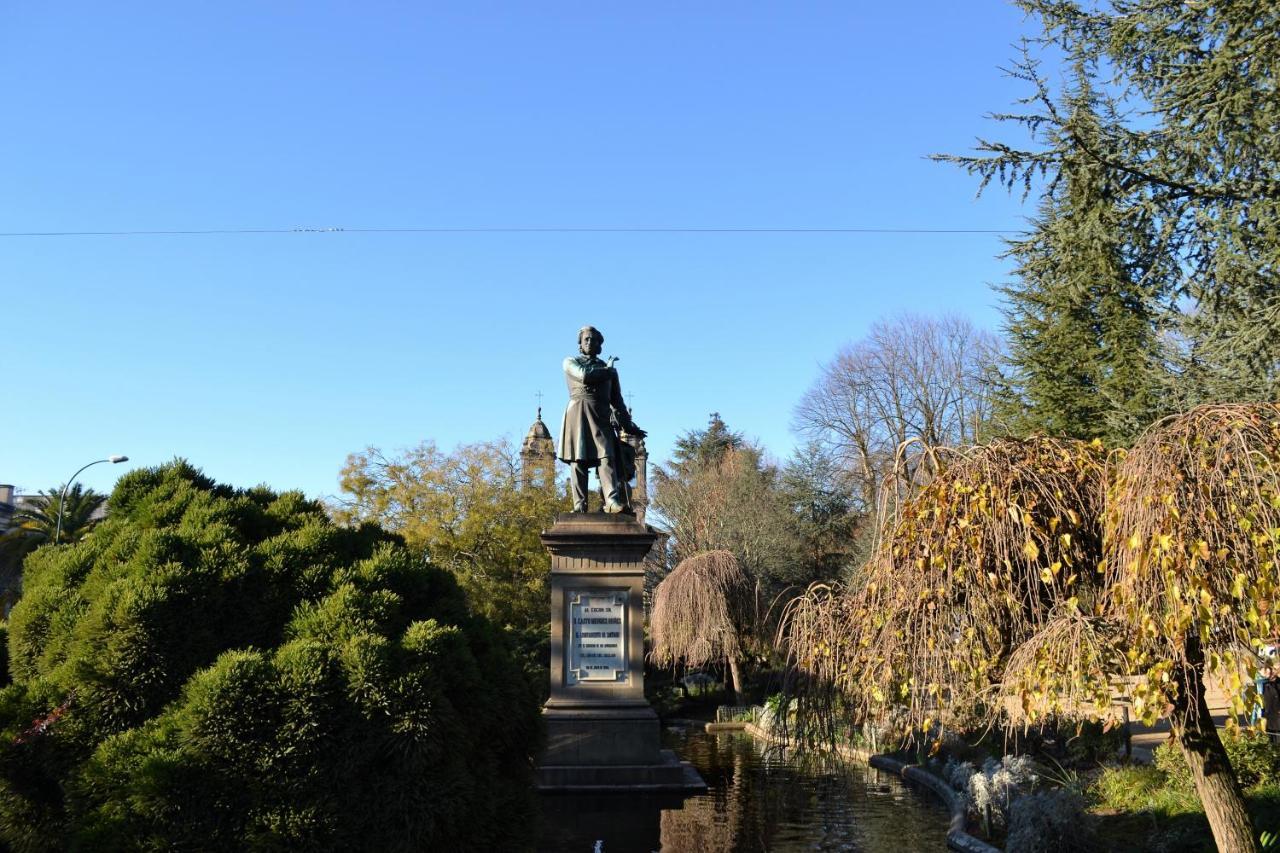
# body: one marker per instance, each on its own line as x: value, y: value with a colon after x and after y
x: 217, y: 668
x: 1127, y: 787
x: 1255, y: 759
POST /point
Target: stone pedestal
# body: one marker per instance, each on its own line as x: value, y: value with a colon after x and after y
x: 601, y: 733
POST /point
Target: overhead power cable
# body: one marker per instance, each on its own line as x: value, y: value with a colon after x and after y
x: 516, y: 229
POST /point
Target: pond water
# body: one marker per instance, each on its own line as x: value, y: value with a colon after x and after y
x: 758, y: 799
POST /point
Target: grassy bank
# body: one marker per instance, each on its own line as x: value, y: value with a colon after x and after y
x: 1137, y: 809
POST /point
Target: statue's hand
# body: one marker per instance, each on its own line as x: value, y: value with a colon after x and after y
x: 610, y: 360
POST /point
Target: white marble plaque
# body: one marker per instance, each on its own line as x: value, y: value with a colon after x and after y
x: 597, y: 647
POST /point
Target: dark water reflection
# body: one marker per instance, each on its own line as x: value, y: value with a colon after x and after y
x: 757, y: 800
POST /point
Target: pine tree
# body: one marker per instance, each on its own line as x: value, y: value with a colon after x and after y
x: 1192, y: 140
x: 719, y: 491
x: 818, y: 492
x: 1208, y: 74
x: 1083, y: 314
x: 706, y: 446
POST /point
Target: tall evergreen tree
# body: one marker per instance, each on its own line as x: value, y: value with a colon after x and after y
x: 820, y: 496
x: 1083, y: 314
x: 720, y: 492
x: 1208, y: 72
x: 706, y: 446
x: 1194, y: 144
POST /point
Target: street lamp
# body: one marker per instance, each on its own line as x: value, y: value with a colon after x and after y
x: 62, y: 500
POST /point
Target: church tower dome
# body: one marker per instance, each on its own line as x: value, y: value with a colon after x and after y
x: 538, y: 455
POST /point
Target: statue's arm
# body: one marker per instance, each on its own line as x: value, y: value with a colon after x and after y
x: 591, y: 374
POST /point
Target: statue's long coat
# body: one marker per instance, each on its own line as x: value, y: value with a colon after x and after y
x: 587, y: 434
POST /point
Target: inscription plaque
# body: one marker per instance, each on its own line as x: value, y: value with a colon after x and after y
x: 598, y: 643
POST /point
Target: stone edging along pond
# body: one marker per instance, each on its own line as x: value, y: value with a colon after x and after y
x: 957, y: 838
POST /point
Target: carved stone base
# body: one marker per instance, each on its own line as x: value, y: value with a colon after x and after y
x: 609, y: 748
x: 601, y: 733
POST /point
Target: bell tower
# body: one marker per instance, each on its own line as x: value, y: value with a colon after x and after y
x: 538, y: 455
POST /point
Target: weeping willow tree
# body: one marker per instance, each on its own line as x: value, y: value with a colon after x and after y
x: 700, y: 612
x: 1191, y: 581
x: 1002, y: 541
x: 1029, y: 577
x: 1192, y: 543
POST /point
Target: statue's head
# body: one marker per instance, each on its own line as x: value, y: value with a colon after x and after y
x: 590, y: 341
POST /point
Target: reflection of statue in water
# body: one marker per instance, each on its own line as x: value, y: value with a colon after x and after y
x: 589, y: 438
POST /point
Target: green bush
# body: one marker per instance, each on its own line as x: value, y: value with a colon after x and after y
x: 1254, y: 758
x: 1136, y: 788
x: 224, y: 669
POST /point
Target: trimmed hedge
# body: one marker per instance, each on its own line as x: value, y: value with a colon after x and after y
x: 217, y: 668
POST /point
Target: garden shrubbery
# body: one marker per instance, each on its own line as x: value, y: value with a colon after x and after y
x: 1009, y: 797
x: 221, y: 668
x: 1254, y: 758
x: 1139, y: 788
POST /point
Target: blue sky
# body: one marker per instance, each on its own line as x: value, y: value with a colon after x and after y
x: 269, y: 357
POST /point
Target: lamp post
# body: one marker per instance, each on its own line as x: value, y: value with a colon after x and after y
x: 62, y: 500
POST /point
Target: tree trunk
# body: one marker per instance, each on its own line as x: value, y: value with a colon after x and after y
x: 737, y: 679
x: 1211, y: 770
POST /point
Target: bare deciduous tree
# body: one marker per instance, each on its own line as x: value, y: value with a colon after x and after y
x: 911, y: 377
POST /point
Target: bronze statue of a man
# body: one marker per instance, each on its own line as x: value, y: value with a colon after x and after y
x: 588, y: 438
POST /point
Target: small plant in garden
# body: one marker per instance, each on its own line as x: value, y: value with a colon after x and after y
x: 993, y: 790
x: 1060, y: 776
x: 1050, y: 820
x: 958, y: 773
x: 778, y: 711
x: 1141, y: 788
x: 1010, y: 796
